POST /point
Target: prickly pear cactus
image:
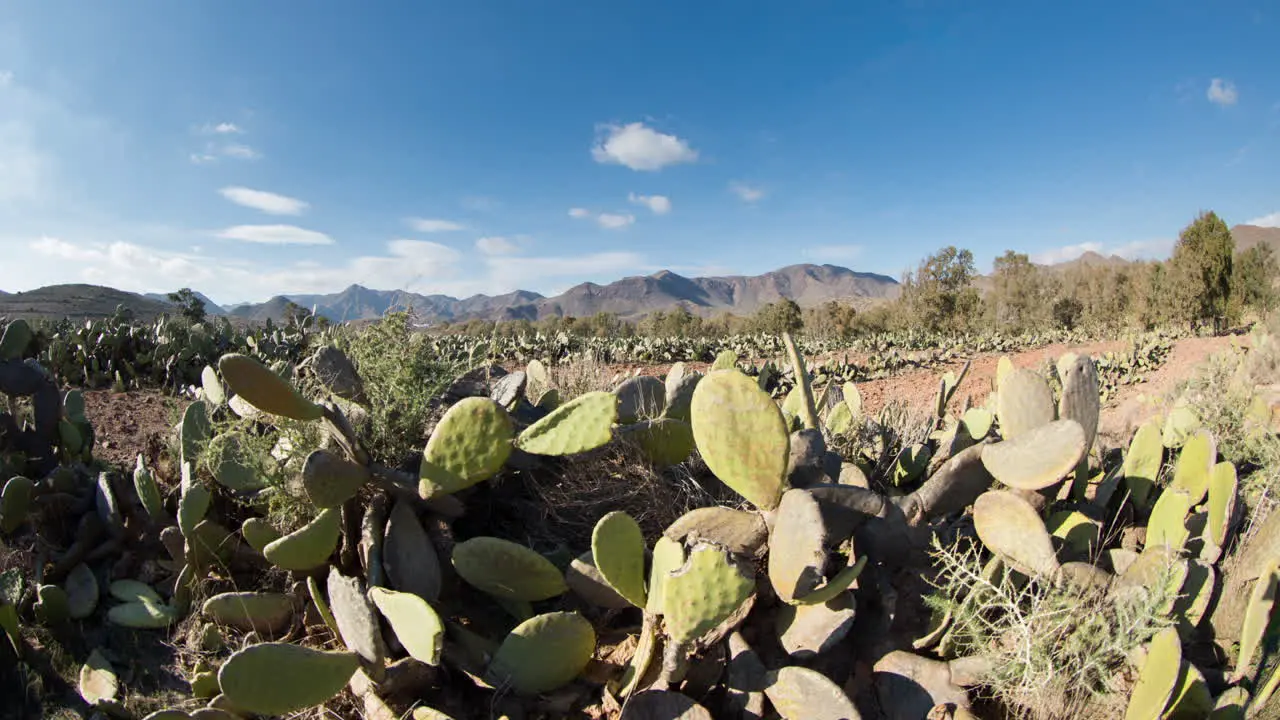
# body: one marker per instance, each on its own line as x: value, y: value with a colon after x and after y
x: 470, y: 444
x: 543, y: 653
x: 282, y: 678
x: 1158, y: 678
x: 506, y: 570
x: 261, y: 612
x: 1080, y: 399
x: 1195, y: 464
x: 330, y: 479
x: 703, y: 593
x: 144, y: 484
x: 264, y: 389
x: 310, y: 546
x: 582, y: 424
x: 15, y: 503
x: 415, y: 623
x: 1009, y: 526
x: 741, y: 436
x: 1142, y: 462
x: 639, y: 398
x: 1023, y: 403
x: 617, y: 546
x: 1038, y: 457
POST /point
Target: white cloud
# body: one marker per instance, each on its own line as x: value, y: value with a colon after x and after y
x: 203, y: 158
x: 213, y: 152
x: 240, y: 151
x: 579, y: 213
x: 613, y: 221
x: 1134, y: 250
x: 428, y: 225
x: 275, y: 235
x: 640, y: 147
x: 510, y: 273
x: 745, y: 192
x: 222, y: 128
x: 267, y: 202
x: 659, y: 204
x: 26, y: 173
x: 1222, y: 92
x: 497, y: 246
x: 833, y: 253
x: 6, y: 77
x: 1272, y: 220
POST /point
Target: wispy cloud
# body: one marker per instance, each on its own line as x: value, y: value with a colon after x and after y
x: 267, y: 202
x: 497, y: 246
x: 745, y: 192
x: 1135, y: 250
x: 6, y: 77
x: 275, y: 235
x: 579, y: 213
x: 240, y: 151
x: 1222, y: 92
x: 434, y: 225
x: 219, y: 145
x: 659, y: 204
x: 640, y: 147
x: 221, y: 128
x: 833, y: 253
x: 615, y: 221
x: 1272, y: 220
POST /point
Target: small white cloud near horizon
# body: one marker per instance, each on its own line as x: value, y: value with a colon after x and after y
x: 614, y: 221
x: 640, y: 147
x: 221, y: 128
x: 579, y: 213
x: 267, y: 202
x: 1222, y: 92
x: 1267, y: 221
x: 1136, y: 250
x: 240, y: 151
x: 659, y: 204
x: 6, y: 77
x: 497, y: 246
x: 433, y: 225
x: 745, y: 192
x: 275, y: 235
x: 833, y: 253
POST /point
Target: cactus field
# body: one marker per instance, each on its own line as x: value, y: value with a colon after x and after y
x: 199, y: 521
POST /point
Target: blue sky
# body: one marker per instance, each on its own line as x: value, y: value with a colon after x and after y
x: 248, y: 148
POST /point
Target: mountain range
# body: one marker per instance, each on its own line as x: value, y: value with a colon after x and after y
x: 630, y: 297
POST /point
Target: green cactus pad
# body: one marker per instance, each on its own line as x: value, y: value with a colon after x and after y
x: 797, y: 546
x: 1179, y: 424
x: 839, y: 420
x: 408, y: 556
x: 134, y: 591
x: 1167, y: 526
x: 144, y: 484
x: 259, y: 533
x: 1231, y: 704
x: 308, y: 547
x: 338, y: 375
x: 205, y: 685
x: 537, y: 374
x: 264, y: 389
x: 82, y: 592
x: 977, y: 421
x: 738, y: 531
x: 1024, y: 402
x: 142, y: 615
x: 1257, y: 616
x: 506, y: 570
x: 214, y: 393
x: 52, y: 607
x: 836, y: 585
x: 231, y: 465
x: 703, y: 593
x: 1154, y: 570
x: 1194, y: 598
x: 73, y: 406
x: 1010, y: 527
x: 663, y: 705
x: 356, y: 619
x: 585, y: 580
x: 543, y: 653
x: 617, y: 546
x: 1142, y: 462
x: 470, y: 444
x: 798, y: 693
x: 1195, y: 465
x: 793, y: 403
x: 910, y: 464
x: 664, y: 441
x: 1037, y: 458
x: 15, y: 503
x: 192, y: 507
x: 853, y: 399
x: 668, y: 556
x: 742, y: 436
x: 1080, y: 532
x: 1191, y: 697
x: 726, y: 360
x: 98, y: 682
x: 70, y: 438
x: 281, y: 678
x: 680, y: 386
x: 414, y: 622
x: 262, y: 612
x: 1223, y: 487
x: 330, y: 479
x: 1158, y: 678
x: 584, y: 423
x: 1080, y: 399
x: 15, y: 339
x: 639, y: 398
x: 194, y: 431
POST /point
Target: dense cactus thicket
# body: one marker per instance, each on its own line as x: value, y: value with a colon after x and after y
x: 972, y: 571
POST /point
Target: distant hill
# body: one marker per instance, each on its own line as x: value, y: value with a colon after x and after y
x: 80, y: 302
x: 630, y: 297
x: 1246, y: 236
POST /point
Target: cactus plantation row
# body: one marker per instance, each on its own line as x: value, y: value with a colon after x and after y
x: 858, y: 572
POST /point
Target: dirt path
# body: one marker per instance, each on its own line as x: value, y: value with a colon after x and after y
x: 126, y: 424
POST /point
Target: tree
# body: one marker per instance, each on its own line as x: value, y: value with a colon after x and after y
x: 1253, y: 279
x: 940, y: 294
x: 1201, y: 269
x: 189, y: 304
x: 1016, y: 298
x: 777, y: 318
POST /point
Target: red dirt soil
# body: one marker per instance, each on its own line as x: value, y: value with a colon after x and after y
x: 126, y: 424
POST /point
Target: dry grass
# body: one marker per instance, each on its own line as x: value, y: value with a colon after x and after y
x: 580, y: 375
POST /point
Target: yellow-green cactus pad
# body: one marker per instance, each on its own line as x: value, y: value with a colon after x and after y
x: 726, y: 360
x: 977, y: 421
x: 52, y: 606
x: 1037, y: 458
x: 231, y: 465
x: 1167, y: 527
x: 142, y: 615
x: 1010, y: 527
x: 1195, y: 465
x: 839, y: 420
x: 212, y: 386
x: 1231, y: 704
x: 1142, y: 462
x: 144, y: 484
x: 798, y: 693
x: 134, y: 591
x: 703, y: 593
x: 1158, y: 678
x: 330, y: 479
x: 15, y: 502
x: 1023, y: 403
x: 1257, y: 616
x: 98, y: 682
x: 584, y: 423
x: 282, y: 678
x: 308, y: 547
x: 1080, y: 532
x: 194, y: 431
x: 617, y: 546
x: 506, y: 570
x: 852, y: 399
x: 1155, y: 571
x: 1223, y: 487
x: 797, y: 546
x: 543, y: 653
x: 192, y: 507
x: 1194, y: 598
x: 1191, y: 698
x: 264, y: 389
x: 668, y: 556
x: 664, y: 441
x: 17, y: 335
x: 742, y: 436
x: 414, y: 622
x: 1179, y: 424
x: 641, y: 398
x: 910, y: 463
x: 259, y: 533
x: 262, y: 612
x: 469, y: 445
x: 1004, y: 366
